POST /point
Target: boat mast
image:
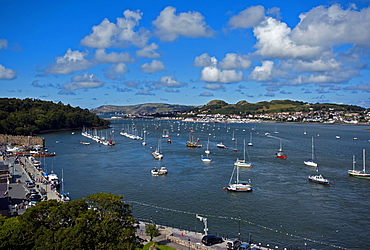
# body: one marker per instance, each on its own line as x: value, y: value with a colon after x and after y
x: 244, y: 150
x: 364, y: 159
x: 354, y: 163
x: 312, y: 156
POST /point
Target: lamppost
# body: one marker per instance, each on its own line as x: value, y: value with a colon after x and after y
x: 239, y: 229
x: 204, y: 220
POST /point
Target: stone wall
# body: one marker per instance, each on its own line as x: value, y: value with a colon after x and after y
x: 22, y: 140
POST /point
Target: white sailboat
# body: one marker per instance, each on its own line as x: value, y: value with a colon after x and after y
x: 243, y: 163
x: 157, y: 153
x: 144, y: 142
x: 238, y: 186
x: 206, y: 158
x: 360, y: 173
x: 207, y: 151
x: 311, y: 162
x: 250, y: 143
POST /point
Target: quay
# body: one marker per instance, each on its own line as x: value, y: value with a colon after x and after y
x: 17, y: 171
x: 183, y: 239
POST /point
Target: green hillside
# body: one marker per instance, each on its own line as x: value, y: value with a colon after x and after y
x: 30, y: 116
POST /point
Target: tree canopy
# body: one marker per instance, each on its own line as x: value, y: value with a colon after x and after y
x: 101, y: 221
x: 24, y: 117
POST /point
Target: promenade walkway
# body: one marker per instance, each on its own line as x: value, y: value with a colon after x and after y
x: 183, y: 239
x: 17, y: 189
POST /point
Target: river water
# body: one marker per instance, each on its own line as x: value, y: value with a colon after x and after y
x: 284, y: 210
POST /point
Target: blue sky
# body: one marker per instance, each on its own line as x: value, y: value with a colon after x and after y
x: 93, y: 53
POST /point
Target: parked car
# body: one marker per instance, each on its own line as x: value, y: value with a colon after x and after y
x: 29, y: 183
x: 31, y: 192
x: 233, y: 244
x: 35, y: 197
x: 244, y: 246
x: 211, y: 239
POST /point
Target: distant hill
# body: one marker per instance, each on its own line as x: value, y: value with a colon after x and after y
x: 146, y: 108
x: 222, y: 107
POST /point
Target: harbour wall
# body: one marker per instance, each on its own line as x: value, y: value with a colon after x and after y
x: 22, y: 140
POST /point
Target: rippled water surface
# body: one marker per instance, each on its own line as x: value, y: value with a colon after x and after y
x: 284, y: 208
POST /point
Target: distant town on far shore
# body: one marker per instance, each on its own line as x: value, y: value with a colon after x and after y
x: 220, y: 111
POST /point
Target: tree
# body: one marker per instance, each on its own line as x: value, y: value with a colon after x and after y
x: 152, y: 231
x: 102, y: 221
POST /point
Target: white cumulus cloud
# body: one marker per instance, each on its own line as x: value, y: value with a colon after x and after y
x: 113, y: 57
x: 274, y: 41
x: 248, y: 18
x: 204, y: 60
x: 170, y: 25
x: 153, y: 66
x: 119, y: 34
x: 148, y: 51
x: 262, y: 73
x: 213, y: 74
x: 72, y: 61
x: 84, y: 81
x: 333, y: 26
x: 235, y: 61
x: 7, y: 74
x: 116, y: 69
x: 169, y: 82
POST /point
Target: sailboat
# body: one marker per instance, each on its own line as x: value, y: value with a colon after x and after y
x: 236, y: 147
x: 238, y: 186
x: 280, y: 153
x: 359, y: 173
x: 144, y: 142
x: 233, y: 138
x: 206, y: 158
x: 165, y: 133
x: 243, y: 163
x: 250, y: 140
x: 311, y: 162
x: 63, y: 195
x: 191, y: 143
x: 157, y: 153
x: 207, y: 150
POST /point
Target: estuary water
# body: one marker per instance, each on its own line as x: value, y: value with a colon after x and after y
x: 284, y: 210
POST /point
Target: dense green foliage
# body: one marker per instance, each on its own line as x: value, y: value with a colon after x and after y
x: 28, y: 116
x: 152, y: 231
x: 101, y: 221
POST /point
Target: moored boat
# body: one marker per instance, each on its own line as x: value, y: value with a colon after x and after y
x: 157, y: 153
x: 161, y: 171
x: 359, y: 173
x: 243, y: 163
x: 319, y: 179
x: 238, y: 185
x: 221, y: 145
x: 280, y: 154
x: 311, y: 162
